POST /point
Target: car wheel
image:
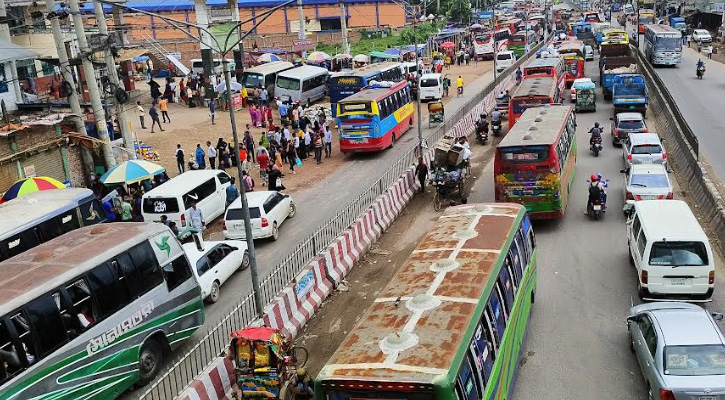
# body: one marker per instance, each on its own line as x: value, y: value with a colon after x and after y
x: 149, y: 361
x: 213, y: 296
x: 245, y: 261
x: 275, y: 232
x: 631, y: 340
x: 649, y: 393
x: 292, y: 210
x: 629, y: 254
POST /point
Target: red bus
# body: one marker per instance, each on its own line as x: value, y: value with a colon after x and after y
x: 573, y: 53
x: 510, y: 24
x: 489, y: 43
x: 532, y: 92
x: 549, y: 66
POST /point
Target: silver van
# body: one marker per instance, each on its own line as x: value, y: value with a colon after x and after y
x: 305, y: 84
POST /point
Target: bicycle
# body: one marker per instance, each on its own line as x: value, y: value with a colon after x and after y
x: 460, y: 91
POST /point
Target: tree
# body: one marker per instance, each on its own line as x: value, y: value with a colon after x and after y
x: 457, y: 10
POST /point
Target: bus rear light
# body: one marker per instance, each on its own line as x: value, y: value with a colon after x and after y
x: 183, y: 220
x: 711, y: 278
x: 644, y: 278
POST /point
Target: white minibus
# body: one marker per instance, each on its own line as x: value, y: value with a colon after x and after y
x: 305, y: 84
x: 197, y: 66
x: 264, y: 75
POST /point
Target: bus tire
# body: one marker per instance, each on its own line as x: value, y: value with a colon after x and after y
x: 392, y: 141
x: 150, y: 359
x: 533, y: 297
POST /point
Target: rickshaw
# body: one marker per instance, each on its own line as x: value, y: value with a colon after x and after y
x: 436, y: 113
x: 448, y: 171
x: 586, y: 98
x: 502, y: 104
x: 265, y: 362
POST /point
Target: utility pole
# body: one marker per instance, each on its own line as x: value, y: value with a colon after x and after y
x: 123, y: 123
x: 301, y: 34
x: 238, y: 54
x: 417, y: 81
x: 343, y: 27
x: 5, y: 35
x: 92, y: 83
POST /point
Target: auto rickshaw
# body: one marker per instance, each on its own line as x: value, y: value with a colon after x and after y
x: 586, y: 98
x: 265, y: 362
x: 436, y: 113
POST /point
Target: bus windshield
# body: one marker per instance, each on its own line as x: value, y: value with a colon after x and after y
x: 288, y: 83
x: 525, y: 155
x: 668, y: 43
x: 252, y: 80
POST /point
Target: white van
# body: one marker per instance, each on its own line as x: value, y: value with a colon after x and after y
x: 431, y: 87
x: 670, y: 251
x: 206, y: 187
x: 197, y: 66
x: 264, y: 75
x: 504, y: 59
x: 305, y: 84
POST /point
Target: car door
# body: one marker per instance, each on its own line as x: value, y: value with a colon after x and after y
x: 625, y: 152
x: 649, y: 370
x: 642, y: 324
x: 283, y: 206
x: 229, y: 262
x: 204, y: 274
x: 216, y: 263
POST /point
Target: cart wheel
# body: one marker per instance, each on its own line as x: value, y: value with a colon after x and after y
x: 436, y: 201
x: 460, y: 188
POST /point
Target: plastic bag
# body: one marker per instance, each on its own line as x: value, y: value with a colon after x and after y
x: 298, y: 162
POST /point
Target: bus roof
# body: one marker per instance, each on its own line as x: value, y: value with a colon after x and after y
x: 54, y: 263
x: 545, y: 62
x: 372, y: 69
x: 659, y: 28
x: 536, y: 86
x: 372, y: 94
x: 269, y: 68
x: 537, y: 126
x: 570, y: 45
x: 17, y: 213
x: 183, y: 183
x: 417, y: 324
x: 304, y: 71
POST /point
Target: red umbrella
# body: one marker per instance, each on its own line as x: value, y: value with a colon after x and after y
x: 448, y: 45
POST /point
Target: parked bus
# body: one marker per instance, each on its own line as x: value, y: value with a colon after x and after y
x: 91, y: 313
x: 549, y: 66
x: 663, y: 45
x: 646, y: 17
x: 374, y: 118
x: 38, y: 217
x: 534, y: 163
x: 344, y: 85
x: 467, y: 292
x: 264, y: 76
x: 532, y: 92
x: 520, y: 40
x: 305, y: 84
x: 486, y: 45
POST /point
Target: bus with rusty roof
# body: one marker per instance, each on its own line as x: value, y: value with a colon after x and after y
x: 91, y: 313
x: 451, y: 323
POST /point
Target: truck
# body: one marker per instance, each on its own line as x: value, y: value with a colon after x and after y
x: 678, y: 23
x: 629, y: 93
x: 614, y: 59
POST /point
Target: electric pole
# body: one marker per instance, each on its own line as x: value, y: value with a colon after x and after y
x: 92, y: 84
x: 343, y: 28
x: 123, y: 124
x: 301, y: 34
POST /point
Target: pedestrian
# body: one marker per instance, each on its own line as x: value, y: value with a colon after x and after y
x: 263, y: 160
x: 221, y: 150
x: 699, y: 46
x: 421, y: 171
x: 180, y: 158
x: 318, y: 148
x: 247, y: 181
x: 283, y: 111
x: 212, y: 112
x: 244, y: 96
x: 709, y: 52
x: 328, y: 140
x: 249, y: 144
x: 200, y: 156
x: 164, y: 108
x: 307, y: 137
x: 291, y: 156
x: 231, y: 191
x: 124, y: 210
x: 211, y: 153
x: 196, y: 218
x: 154, y: 114
x: 263, y: 96
x: 141, y: 112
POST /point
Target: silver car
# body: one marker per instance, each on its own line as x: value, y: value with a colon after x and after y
x: 646, y: 182
x: 625, y: 123
x: 643, y: 148
x: 680, y: 350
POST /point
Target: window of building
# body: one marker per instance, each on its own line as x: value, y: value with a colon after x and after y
x: 330, y: 24
x: 47, y: 68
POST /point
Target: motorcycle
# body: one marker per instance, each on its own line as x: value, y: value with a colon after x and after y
x: 496, y: 127
x: 596, y: 145
x: 700, y: 71
x: 595, y: 209
x: 482, y: 133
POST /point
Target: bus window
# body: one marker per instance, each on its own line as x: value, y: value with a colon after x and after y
x: 134, y: 280
x: 80, y: 296
x: 481, y: 352
x: 19, y: 243
x: 92, y: 212
x: 525, y: 155
x: 47, y: 326
x: 467, y: 381
x: 177, y: 272
x: 520, y: 258
x: 108, y: 290
x: 506, y: 288
x: 9, y: 363
x: 199, y: 193
x: 147, y: 266
x: 496, y: 314
x: 512, y: 255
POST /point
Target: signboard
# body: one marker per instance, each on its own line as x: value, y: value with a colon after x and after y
x: 29, y: 171
x: 718, y: 7
x: 303, y: 44
x: 305, y: 283
x: 237, y: 101
x: 222, y: 14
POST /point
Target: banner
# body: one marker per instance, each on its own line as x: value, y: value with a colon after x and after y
x: 237, y: 101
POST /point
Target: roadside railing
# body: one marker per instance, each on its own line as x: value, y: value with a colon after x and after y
x: 214, y: 343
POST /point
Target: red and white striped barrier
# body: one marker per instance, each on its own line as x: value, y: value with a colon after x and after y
x: 299, y: 301
x: 214, y: 383
x: 384, y: 212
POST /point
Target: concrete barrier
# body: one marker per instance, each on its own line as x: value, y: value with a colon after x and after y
x: 214, y: 383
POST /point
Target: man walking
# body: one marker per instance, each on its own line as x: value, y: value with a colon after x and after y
x: 180, y: 158
x: 154, y: 114
x: 141, y: 112
x: 163, y: 107
x: 328, y: 140
x: 232, y: 192
x: 421, y: 171
x: 318, y: 148
x: 212, y: 112
x: 211, y: 154
x: 196, y: 217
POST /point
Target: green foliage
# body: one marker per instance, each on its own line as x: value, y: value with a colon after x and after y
x: 458, y: 10
x: 403, y: 37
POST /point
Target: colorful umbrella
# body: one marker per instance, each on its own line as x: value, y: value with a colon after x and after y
x: 131, y: 171
x: 318, y: 57
x: 31, y: 185
x: 268, y: 57
x: 476, y: 26
x: 448, y: 45
x: 236, y: 86
x: 343, y: 56
x: 361, y: 58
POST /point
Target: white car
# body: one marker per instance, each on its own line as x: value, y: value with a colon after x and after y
x: 267, y: 211
x: 588, y: 53
x: 701, y: 35
x: 504, y: 60
x: 646, y: 182
x: 216, y: 263
x: 577, y: 82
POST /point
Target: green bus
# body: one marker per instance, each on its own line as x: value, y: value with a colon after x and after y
x: 450, y: 324
x: 92, y: 312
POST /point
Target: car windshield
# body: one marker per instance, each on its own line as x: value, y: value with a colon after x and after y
x: 650, y: 180
x: 632, y: 124
x: 678, y: 254
x: 236, y: 214
x: 504, y: 56
x: 702, y: 32
x: 647, y: 149
x: 700, y: 360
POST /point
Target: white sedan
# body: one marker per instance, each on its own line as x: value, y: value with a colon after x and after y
x: 576, y: 83
x: 702, y: 36
x: 216, y: 263
x: 267, y: 211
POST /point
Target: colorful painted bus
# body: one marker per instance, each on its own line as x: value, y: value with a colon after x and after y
x: 532, y: 92
x: 91, y: 313
x: 548, y: 66
x: 535, y: 162
x: 465, y: 297
x: 521, y: 40
x: 348, y: 83
x: 374, y: 118
x: 489, y: 43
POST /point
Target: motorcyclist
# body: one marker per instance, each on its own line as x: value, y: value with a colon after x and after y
x: 700, y: 65
x: 482, y: 124
x: 596, y: 132
x: 495, y: 117
x: 597, y: 191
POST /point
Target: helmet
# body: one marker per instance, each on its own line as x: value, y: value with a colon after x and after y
x: 596, y: 124
x: 599, y: 176
x: 483, y: 115
x: 594, y: 177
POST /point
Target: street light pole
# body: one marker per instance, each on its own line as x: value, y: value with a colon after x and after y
x: 417, y: 83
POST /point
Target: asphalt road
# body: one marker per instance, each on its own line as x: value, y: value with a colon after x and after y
x: 577, y: 346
